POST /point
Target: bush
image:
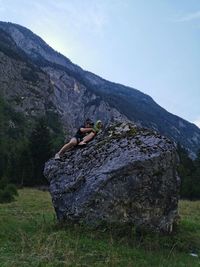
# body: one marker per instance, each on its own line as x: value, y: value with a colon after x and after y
x: 6, y: 196
x: 7, y: 191
x: 3, y: 182
x: 12, y: 189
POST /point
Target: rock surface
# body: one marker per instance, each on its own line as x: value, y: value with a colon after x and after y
x: 125, y: 175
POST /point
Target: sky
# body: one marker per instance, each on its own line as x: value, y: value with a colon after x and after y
x: 153, y: 46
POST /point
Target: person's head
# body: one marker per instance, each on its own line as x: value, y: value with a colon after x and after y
x: 89, y: 123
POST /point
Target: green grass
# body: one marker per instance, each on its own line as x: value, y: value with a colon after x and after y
x: 31, y: 236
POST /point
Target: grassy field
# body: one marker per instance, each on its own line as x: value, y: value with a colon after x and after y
x: 30, y: 236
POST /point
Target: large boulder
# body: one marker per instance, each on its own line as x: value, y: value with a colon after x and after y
x: 126, y: 174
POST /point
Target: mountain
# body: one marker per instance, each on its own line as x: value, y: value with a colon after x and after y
x: 35, y: 79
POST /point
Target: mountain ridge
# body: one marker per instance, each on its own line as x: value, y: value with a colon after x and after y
x: 87, y: 94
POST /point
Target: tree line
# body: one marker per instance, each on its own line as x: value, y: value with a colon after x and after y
x: 189, y: 172
x: 25, y: 145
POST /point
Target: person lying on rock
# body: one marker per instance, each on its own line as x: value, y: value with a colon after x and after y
x: 80, y: 134
x: 84, y: 134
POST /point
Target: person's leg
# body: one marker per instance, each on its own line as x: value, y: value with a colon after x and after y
x: 87, y: 138
x: 73, y: 142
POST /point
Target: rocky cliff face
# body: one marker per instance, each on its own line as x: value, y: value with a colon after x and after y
x: 36, y: 86
x: 75, y: 103
x: 75, y: 94
x: 125, y: 175
x: 26, y: 88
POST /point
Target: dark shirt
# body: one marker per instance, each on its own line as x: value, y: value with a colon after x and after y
x: 79, y: 134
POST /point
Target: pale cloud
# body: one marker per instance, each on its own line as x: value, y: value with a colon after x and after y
x: 92, y: 16
x: 2, y: 7
x: 189, y: 17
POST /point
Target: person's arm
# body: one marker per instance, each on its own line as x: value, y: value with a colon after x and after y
x: 86, y: 130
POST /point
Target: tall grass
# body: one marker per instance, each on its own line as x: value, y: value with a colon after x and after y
x: 31, y: 236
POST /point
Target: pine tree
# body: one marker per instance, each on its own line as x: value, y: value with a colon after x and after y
x: 196, y: 178
x: 186, y: 169
x: 40, y: 149
x: 2, y: 139
x: 24, y: 165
